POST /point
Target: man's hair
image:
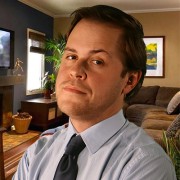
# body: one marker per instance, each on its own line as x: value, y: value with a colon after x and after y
x: 133, y: 47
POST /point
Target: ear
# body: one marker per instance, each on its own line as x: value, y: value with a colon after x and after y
x: 132, y: 79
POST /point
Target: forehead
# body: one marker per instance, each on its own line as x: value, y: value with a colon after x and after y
x: 91, y: 25
x: 93, y: 32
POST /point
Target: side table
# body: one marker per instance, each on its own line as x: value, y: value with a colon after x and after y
x: 45, y: 113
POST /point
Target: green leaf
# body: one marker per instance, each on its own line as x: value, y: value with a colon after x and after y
x: 56, y: 48
x: 172, y: 149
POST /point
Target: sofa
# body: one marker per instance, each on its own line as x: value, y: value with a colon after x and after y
x: 154, y: 108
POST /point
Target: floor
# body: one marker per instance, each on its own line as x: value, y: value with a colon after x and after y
x: 14, y: 147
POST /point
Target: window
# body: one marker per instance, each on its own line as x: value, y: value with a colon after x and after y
x: 35, y: 61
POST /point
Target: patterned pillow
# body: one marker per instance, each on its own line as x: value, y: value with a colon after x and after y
x: 174, y: 127
x: 174, y: 104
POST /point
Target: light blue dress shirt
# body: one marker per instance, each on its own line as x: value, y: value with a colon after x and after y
x: 115, y: 150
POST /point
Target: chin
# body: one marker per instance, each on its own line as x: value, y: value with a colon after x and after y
x: 73, y: 109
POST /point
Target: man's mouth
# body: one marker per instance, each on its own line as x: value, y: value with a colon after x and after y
x: 73, y: 89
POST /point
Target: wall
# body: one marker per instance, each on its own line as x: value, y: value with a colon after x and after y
x: 17, y: 16
x: 164, y: 24
x: 61, y: 25
x: 155, y: 24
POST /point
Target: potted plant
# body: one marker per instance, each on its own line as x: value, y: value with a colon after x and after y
x: 55, y: 47
x: 21, y: 122
x: 54, y: 50
x: 172, y: 148
x: 48, y: 84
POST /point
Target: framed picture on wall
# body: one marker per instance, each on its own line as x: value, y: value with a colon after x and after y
x: 155, y: 56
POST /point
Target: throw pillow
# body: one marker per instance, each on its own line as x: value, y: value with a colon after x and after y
x: 173, y: 128
x: 174, y: 104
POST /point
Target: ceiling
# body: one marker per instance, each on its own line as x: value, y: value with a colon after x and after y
x: 58, y: 8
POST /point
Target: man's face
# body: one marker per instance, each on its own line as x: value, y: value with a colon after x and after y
x: 89, y: 84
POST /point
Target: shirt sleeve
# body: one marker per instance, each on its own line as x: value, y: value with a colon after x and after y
x: 22, y: 169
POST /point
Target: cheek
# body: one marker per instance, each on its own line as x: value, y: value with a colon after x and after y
x: 61, y: 73
x: 104, y: 86
x: 59, y: 79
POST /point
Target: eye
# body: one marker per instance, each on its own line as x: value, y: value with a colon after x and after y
x: 71, y: 57
x: 97, y: 62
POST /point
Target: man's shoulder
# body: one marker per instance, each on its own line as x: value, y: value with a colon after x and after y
x: 47, y: 138
x: 141, y: 143
x: 51, y: 132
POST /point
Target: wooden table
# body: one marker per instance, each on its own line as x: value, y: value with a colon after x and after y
x: 45, y: 113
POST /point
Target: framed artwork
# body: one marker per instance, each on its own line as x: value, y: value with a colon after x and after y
x: 155, y: 56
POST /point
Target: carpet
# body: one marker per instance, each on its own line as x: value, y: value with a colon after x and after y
x: 11, y: 139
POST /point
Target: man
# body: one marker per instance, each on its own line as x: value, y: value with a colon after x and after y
x: 104, y: 63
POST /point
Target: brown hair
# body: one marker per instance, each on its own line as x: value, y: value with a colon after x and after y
x: 133, y: 47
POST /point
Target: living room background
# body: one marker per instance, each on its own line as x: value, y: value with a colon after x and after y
x: 17, y: 16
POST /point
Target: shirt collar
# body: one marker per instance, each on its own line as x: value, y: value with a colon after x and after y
x: 95, y: 136
x: 70, y: 132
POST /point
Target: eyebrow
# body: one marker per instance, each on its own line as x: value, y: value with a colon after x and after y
x: 70, y: 49
x: 94, y: 51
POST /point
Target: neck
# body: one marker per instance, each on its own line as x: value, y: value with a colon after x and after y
x: 83, y: 123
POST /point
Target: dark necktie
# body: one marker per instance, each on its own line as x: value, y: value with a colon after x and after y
x: 67, y: 168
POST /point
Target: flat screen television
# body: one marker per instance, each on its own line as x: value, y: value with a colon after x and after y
x: 6, y: 48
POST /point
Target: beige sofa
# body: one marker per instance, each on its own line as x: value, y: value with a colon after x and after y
x: 148, y: 109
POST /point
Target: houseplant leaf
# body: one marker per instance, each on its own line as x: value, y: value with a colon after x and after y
x: 55, y: 47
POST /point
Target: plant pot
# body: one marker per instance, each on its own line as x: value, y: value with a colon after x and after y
x: 21, y: 124
x: 47, y: 93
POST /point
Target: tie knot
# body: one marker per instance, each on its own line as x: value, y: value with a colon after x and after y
x: 75, y: 145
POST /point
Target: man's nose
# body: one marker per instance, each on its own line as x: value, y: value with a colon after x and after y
x: 78, y: 71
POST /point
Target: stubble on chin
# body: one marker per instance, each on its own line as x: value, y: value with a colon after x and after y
x: 73, y: 108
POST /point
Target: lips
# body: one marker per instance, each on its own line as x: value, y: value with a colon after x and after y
x: 73, y: 89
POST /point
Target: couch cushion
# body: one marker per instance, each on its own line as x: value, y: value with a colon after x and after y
x: 156, y: 124
x: 146, y: 95
x: 164, y: 95
x: 135, y: 113
x: 174, y: 104
x: 160, y: 115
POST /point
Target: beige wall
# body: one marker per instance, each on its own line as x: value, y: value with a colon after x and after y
x: 61, y: 25
x: 165, y: 24
x: 155, y: 24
